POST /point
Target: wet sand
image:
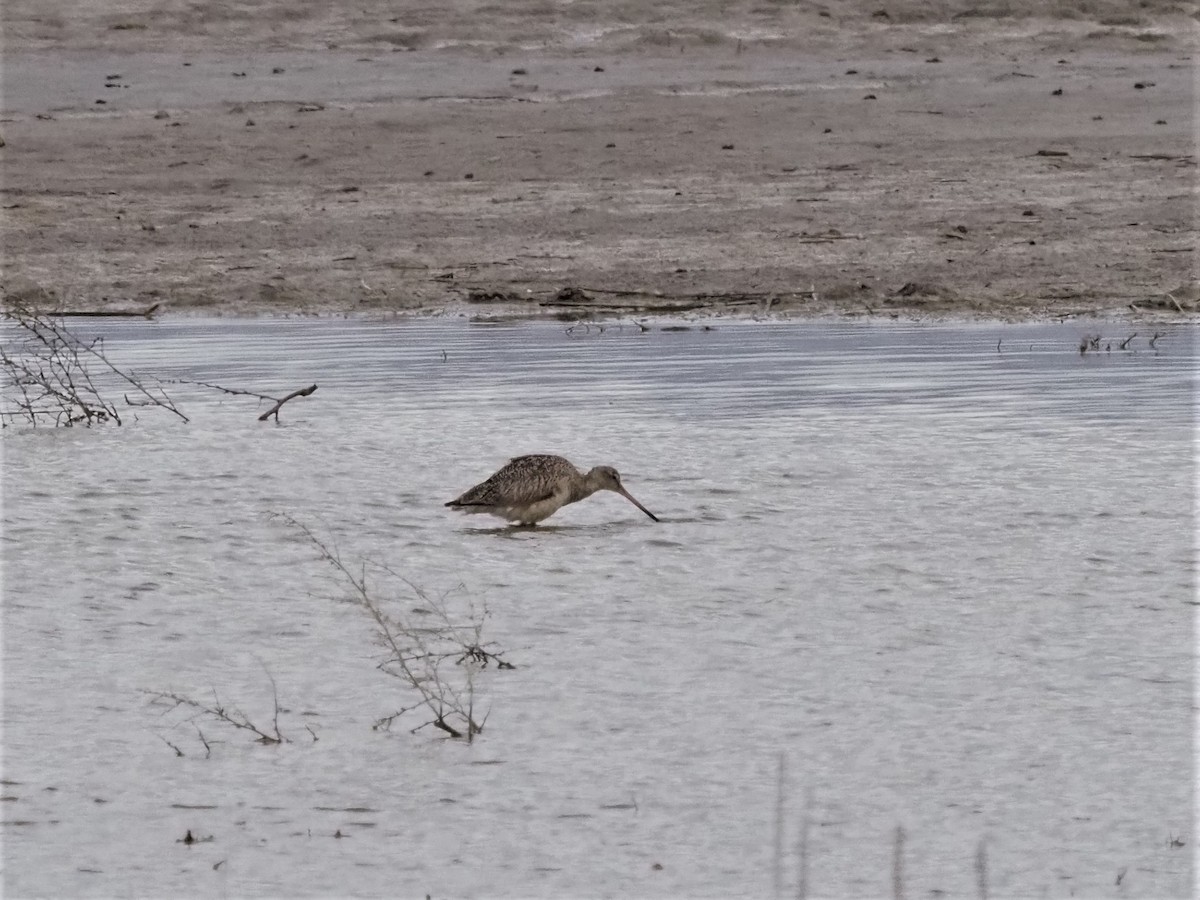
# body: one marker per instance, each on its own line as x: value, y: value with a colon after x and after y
x: 584, y: 159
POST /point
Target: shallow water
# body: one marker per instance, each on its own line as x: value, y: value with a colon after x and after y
x: 951, y: 586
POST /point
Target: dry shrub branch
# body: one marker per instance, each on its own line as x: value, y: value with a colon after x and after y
x: 218, y: 711
x: 53, y: 376
x: 437, y: 654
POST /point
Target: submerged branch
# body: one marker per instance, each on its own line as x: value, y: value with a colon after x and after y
x: 234, y: 717
x: 416, y: 653
x: 240, y: 392
x: 274, y: 410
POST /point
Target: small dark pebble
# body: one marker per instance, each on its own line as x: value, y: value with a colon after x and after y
x: 598, y: 69
x: 101, y: 102
x: 1097, y: 118
x: 1057, y: 92
x: 1033, y: 243
x: 249, y: 123
x: 609, y: 146
x: 162, y: 114
x: 239, y: 74
x: 113, y: 77
x: 932, y: 59
x: 520, y: 72
x: 870, y: 97
x: 278, y: 70
x: 727, y: 146
x: 469, y: 176
x: 852, y: 71
x: 961, y: 229
x: 429, y: 173
x: 1156, y: 121
x: 880, y: 14
x: 828, y: 131
x: 1142, y: 85
x: 1028, y: 212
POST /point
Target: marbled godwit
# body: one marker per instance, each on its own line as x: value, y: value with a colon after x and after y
x: 531, y: 488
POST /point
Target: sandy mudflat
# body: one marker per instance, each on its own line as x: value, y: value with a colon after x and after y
x: 1011, y: 160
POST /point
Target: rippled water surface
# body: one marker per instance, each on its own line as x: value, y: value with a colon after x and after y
x: 950, y: 584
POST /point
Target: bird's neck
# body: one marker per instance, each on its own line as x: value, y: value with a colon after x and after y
x: 584, y: 487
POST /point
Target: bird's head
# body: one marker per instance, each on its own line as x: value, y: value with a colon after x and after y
x: 606, y: 478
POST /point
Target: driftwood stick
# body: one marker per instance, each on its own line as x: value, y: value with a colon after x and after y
x: 146, y: 313
x: 747, y: 296
x: 274, y: 410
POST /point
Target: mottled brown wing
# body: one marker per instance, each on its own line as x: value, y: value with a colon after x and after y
x: 525, y: 480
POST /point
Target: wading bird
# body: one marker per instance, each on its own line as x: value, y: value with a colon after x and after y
x: 531, y: 488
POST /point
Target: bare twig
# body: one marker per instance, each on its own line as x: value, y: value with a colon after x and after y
x: 237, y: 392
x: 218, y: 711
x: 385, y: 723
x: 274, y: 701
x: 178, y: 752
x: 204, y: 741
x: 240, y: 392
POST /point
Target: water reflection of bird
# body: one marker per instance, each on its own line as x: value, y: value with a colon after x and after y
x: 531, y: 488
